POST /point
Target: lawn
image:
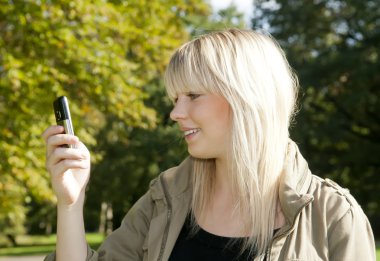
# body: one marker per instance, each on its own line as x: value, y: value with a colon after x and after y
x: 40, y: 245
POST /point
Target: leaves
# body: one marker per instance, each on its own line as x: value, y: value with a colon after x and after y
x: 101, y: 55
x: 108, y: 57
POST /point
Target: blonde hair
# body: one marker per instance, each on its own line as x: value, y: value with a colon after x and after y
x: 251, y: 72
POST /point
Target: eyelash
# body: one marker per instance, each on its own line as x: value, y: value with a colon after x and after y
x: 192, y: 96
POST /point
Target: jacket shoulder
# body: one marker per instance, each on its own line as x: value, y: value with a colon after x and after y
x: 332, y: 199
x: 177, y: 179
x: 337, y: 212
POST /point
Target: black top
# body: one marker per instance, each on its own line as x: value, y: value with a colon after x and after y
x: 206, y: 246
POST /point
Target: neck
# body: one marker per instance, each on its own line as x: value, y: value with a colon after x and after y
x: 220, y: 217
x: 222, y: 182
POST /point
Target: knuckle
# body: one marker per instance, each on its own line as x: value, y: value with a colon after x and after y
x: 66, y: 163
x: 50, y: 140
x: 55, y: 153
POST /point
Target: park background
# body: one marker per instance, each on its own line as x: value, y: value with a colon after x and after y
x: 108, y: 58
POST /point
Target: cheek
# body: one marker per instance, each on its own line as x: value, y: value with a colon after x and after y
x: 219, y: 124
x: 223, y: 117
x: 212, y: 115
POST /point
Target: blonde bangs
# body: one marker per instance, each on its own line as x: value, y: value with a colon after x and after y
x: 189, y: 72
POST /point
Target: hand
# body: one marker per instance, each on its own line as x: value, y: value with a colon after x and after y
x: 69, y: 168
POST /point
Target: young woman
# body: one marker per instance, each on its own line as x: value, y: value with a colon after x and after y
x: 244, y: 193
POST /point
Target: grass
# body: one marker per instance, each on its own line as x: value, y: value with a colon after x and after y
x: 41, y: 245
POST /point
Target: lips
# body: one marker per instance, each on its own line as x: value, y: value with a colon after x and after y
x: 191, y: 131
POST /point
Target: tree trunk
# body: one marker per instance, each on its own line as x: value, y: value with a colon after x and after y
x: 103, y: 217
x: 12, y: 239
x: 109, y: 219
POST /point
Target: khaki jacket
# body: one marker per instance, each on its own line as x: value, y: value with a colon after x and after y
x: 323, y: 221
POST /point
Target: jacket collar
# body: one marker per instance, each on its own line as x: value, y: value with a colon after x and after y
x: 294, y: 183
x: 178, y: 177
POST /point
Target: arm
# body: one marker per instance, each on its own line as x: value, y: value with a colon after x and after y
x: 71, y: 241
x: 69, y: 169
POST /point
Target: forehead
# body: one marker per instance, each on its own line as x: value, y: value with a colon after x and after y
x: 184, y: 79
x: 182, y: 89
x: 193, y: 68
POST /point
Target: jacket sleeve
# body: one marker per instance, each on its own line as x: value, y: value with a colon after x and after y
x: 351, y: 238
x: 126, y: 242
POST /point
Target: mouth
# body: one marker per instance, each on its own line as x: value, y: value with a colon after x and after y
x: 191, y: 132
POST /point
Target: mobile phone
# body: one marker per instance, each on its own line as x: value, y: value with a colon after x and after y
x: 62, y: 115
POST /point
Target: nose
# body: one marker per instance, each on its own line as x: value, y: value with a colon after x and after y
x: 179, y: 112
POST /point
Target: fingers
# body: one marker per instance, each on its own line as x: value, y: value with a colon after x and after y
x: 57, y: 153
x: 60, y: 158
x: 60, y: 154
x: 54, y: 137
x: 54, y: 133
x: 52, y: 130
x: 61, y: 139
x: 67, y: 164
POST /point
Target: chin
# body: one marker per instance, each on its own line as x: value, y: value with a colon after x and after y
x: 199, y: 154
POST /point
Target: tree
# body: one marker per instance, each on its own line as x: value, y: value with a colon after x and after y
x: 333, y: 46
x: 138, y: 155
x: 229, y: 17
x: 102, y: 55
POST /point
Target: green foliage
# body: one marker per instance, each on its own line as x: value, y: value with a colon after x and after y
x: 334, y: 47
x: 138, y: 155
x: 228, y: 17
x: 100, y: 54
x: 132, y: 160
x: 108, y: 57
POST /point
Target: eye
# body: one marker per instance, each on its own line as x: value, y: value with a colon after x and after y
x: 193, y: 96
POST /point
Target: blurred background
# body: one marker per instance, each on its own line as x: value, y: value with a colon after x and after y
x: 108, y: 58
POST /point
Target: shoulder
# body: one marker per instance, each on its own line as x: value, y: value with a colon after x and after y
x: 333, y: 201
x: 176, y: 179
x: 337, y: 212
x: 330, y: 192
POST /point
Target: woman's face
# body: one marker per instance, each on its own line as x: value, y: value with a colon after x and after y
x: 205, y: 121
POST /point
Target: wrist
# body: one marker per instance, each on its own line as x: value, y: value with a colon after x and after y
x: 77, y: 206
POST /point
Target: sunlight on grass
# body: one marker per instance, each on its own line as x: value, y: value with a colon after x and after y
x: 37, y: 245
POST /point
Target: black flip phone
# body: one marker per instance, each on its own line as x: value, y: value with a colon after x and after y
x: 62, y: 115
